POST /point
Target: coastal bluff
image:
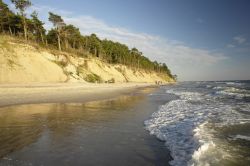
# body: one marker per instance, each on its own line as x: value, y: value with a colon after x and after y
x: 23, y: 62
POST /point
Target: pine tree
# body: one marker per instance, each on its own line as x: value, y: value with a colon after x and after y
x: 38, y: 26
x: 22, y: 5
x: 58, y: 24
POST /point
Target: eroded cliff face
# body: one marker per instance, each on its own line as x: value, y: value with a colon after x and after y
x: 23, y: 63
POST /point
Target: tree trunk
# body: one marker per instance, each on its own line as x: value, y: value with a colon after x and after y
x: 86, y: 44
x: 10, y: 31
x: 59, y: 42
x: 95, y: 53
x: 42, y: 37
x: 2, y: 30
x: 25, y: 30
x: 66, y: 43
x: 24, y: 27
x: 74, y: 44
x: 138, y: 64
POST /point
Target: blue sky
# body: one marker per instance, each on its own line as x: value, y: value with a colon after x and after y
x: 197, y: 39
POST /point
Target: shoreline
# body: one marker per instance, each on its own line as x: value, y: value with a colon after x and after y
x: 85, y: 129
x: 14, y: 94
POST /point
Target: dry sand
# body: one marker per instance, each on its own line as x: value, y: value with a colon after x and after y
x: 11, y: 94
x: 30, y: 74
x: 24, y: 63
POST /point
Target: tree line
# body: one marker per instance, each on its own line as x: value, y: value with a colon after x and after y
x: 67, y: 37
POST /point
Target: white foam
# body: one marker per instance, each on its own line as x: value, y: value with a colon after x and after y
x: 242, y: 137
x: 218, y: 87
x: 209, y: 86
x: 209, y: 151
x: 236, y: 90
x: 180, y: 123
x: 198, y: 156
x: 234, y: 83
x: 186, y: 95
x: 232, y: 91
x: 174, y: 123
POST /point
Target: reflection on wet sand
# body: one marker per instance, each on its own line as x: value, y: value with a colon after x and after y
x: 23, y: 125
x: 107, y: 132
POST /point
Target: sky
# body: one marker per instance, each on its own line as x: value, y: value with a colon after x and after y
x: 199, y: 40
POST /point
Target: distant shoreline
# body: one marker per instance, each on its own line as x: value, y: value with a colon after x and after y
x: 13, y: 94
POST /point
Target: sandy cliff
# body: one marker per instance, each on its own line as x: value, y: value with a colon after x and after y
x: 24, y: 63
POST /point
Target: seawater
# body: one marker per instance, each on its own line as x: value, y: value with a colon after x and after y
x: 206, y: 123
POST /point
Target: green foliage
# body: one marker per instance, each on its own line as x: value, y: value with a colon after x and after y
x: 58, y: 24
x: 115, y: 52
x: 52, y: 37
x: 38, y: 29
x: 7, y: 18
x: 71, y: 37
x: 55, y: 19
x: 94, y: 45
x: 22, y: 5
x: 93, y: 78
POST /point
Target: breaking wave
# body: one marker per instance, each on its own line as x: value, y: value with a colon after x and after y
x: 188, y: 124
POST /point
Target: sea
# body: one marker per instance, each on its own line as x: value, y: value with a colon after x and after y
x: 205, y: 123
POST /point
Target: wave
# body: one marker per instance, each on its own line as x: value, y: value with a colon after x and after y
x: 182, y: 123
x: 174, y: 123
x: 234, y: 83
x: 172, y: 127
x: 235, y: 92
x: 240, y: 137
x: 218, y: 87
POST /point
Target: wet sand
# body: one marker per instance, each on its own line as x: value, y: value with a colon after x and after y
x: 107, y: 132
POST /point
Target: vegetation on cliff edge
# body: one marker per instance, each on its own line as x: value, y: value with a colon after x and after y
x: 68, y: 38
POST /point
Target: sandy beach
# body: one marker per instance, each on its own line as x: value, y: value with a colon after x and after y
x: 72, y: 130
x: 11, y: 94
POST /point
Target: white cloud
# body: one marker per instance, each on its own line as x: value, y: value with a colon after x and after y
x: 240, y: 39
x: 176, y: 54
x: 183, y: 60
